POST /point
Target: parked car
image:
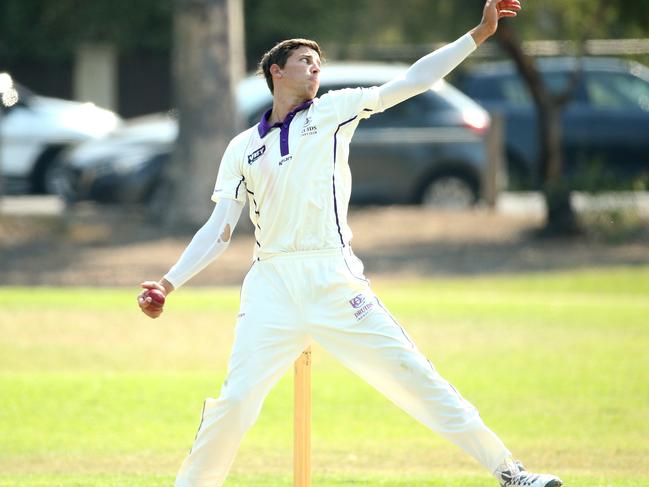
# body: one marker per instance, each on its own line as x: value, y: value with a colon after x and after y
x: 123, y: 167
x: 430, y: 149
x: 35, y: 129
x: 605, y: 125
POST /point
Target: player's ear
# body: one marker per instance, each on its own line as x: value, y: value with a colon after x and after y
x: 275, y: 71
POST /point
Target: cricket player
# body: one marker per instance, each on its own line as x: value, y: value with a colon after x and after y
x: 305, y: 283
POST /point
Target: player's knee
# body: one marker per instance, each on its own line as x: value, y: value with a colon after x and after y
x: 243, y: 407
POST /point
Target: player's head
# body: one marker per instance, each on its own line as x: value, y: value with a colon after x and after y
x: 295, y: 62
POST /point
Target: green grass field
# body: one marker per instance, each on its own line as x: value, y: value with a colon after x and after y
x: 92, y: 393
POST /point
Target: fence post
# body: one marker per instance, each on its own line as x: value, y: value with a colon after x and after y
x: 495, y: 177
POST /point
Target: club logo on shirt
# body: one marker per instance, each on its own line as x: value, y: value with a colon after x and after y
x: 357, y: 301
x: 361, y: 306
x: 256, y: 155
x: 309, y: 129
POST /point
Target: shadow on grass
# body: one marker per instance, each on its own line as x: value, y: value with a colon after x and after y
x: 111, y: 247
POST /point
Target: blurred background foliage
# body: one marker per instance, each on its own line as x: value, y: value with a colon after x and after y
x: 51, y: 31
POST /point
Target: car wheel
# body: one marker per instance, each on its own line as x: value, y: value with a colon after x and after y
x: 54, y: 179
x: 48, y: 173
x: 449, y: 192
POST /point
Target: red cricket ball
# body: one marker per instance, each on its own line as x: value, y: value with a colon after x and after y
x: 157, y: 297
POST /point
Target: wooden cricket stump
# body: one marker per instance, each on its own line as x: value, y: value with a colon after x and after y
x: 302, y: 421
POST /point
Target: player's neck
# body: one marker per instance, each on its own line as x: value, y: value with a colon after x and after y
x: 283, y: 105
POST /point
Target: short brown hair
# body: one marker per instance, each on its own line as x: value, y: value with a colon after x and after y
x: 279, y: 53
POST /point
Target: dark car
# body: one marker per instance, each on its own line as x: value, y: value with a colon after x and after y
x: 605, y: 125
x: 124, y: 167
x: 430, y: 149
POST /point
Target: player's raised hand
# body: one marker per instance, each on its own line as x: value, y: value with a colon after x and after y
x: 493, y: 11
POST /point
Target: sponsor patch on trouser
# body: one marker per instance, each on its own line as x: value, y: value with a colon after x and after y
x: 362, y: 305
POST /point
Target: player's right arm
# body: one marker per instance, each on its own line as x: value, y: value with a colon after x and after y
x: 209, y: 242
x: 214, y: 236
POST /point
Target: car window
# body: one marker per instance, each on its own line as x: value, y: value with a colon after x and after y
x: 511, y: 89
x: 485, y: 88
x: 515, y: 91
x: 505, y: 88
x: 609, y: 90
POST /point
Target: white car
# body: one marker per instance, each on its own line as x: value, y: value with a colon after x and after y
x: 34, y: 129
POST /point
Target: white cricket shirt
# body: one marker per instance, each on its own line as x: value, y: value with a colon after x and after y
x: 296, y: 174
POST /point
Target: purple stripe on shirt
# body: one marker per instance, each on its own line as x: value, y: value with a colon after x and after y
x: 256, y: 207
x: 283, y: 137
x: 236, y: 193
x: 333, y: 178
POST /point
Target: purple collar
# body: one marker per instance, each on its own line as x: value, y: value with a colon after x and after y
x: 264, y: 127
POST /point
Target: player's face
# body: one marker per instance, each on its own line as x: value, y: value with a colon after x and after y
x: 301, y: 73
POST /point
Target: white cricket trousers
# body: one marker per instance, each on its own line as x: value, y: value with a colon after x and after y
x: 288, y: 301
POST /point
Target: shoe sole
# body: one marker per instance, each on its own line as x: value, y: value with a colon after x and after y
x: 554, y: 483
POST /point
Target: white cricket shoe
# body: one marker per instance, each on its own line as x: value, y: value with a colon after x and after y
x: 513, y: 474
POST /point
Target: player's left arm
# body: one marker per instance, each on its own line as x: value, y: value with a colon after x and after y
x: 434, y: 66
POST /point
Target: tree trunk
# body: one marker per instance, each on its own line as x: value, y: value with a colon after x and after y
x: 1, y: 150
x: 560, y: 219
x: 208, y: 61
